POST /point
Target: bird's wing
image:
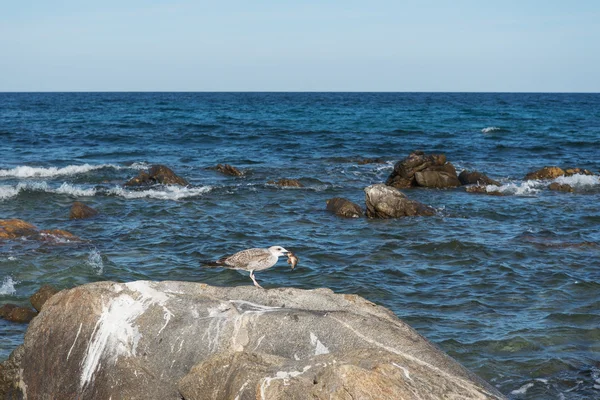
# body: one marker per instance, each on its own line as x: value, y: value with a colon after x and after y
x: 245, y: 258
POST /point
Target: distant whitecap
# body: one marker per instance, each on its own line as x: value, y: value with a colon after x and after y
x: 24, y: 171
x: 163, y: 193
x: 491, y: 129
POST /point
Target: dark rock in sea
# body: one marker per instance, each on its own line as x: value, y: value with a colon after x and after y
x: 40, y: 297
x: 560, y: 187
x: 545, y: 173
x: 286, y: 183
x: 21, y: 314
x: 158, y: 174
x: 17, y: 228
x: 344, y: 208
x: 419, y: 169
x: 228, y: 170
x: 10, y: 376
x: 475, y: 178
x: 6, y: 309
x: 386, y: 202
x: 483, y: 190
x: 363, y: 161
x: 173, y: 340
x: 81, y: 211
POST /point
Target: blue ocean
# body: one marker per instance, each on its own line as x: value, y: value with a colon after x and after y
x: 508, y: 285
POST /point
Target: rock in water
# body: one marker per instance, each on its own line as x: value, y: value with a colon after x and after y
x: 545, y: 173
x: 475, y: 178
x: 158, y: 174
x: 286, y: 183
x: 419, y: 169
x: 168, y: 340
x: 81, y: 211
x: 227, y: 169
x: 39, y: 298
x: 560, y: 187
x: 386, y: 202
x: 344, y: 208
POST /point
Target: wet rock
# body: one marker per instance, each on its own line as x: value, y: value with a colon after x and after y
x: 475, y: 177
x: 545, y: 173
x: 157, y: 174
x: 386, y: 202
x: 81, y: 211
x: 560, y: 187
x: 168, y: 340
x: 10, y: 376
x: 483, y: 190
x: 57, y: 235
x: 286, y: 183
x: 21, y: 314
x: 6, y: 309
x: 580, y: 171
x: 344, y: 208
x: 40, y: 297
x: 419, y: 169
x: 16, y: 228
x: 227, y: 169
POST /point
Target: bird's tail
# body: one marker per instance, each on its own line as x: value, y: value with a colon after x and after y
x: 210, y: 263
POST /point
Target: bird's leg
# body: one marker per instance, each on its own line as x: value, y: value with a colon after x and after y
x: 254, y: 280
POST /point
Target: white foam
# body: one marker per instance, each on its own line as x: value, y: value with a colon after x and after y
x: 579, y: 180
x: 95, y: 261
x: 491, y: 129
x: 523, y: 389
x: 8, y: 286
x: 525, y: 188
x: 164, y: 193
x: 7, y: 191
x: 73, y: 190
x: 24, y: 171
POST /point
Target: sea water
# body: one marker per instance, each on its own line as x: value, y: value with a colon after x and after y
x: 508, y: 285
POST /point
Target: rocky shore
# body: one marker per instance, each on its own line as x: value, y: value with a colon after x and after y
x: 182, y: 340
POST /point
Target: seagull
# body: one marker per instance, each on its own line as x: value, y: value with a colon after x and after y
x: 253, y: 260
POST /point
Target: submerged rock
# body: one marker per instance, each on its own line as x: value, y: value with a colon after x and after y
x: 173, y: 340
x: 364, y: 161
x: 157, y: 174
x: 20, y: 314
x: 475, y: 177
x: 17, y: 228
x: 386, y: 202
x: 419, y: 169
x: 344, y: 208
x: 580, y: 171
x: 286, y: 183
x: 560, y: 187
x: 227, y: 169
x: 81, y: 211
x: 40, y: 297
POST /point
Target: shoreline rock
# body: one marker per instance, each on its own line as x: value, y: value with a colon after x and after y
x: 227, y: 169
x: 17, y: 228
x: 476, y: 177
x: 170, y: 340
x: 287, y: 183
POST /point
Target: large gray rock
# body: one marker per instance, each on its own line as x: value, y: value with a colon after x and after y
x: 173, y: 340
x: 386, y: 202
x: 476, y: 178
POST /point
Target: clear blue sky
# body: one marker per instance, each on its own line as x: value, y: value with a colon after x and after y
x: 326, y: 45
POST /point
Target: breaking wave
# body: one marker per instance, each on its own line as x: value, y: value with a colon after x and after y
x: 492, y: 129
x: 579, y: 180
x: 164, y: 193
x: 24, y: 171
x: 525, y: 188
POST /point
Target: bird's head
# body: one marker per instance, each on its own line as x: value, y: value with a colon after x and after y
x: 278, y: 251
